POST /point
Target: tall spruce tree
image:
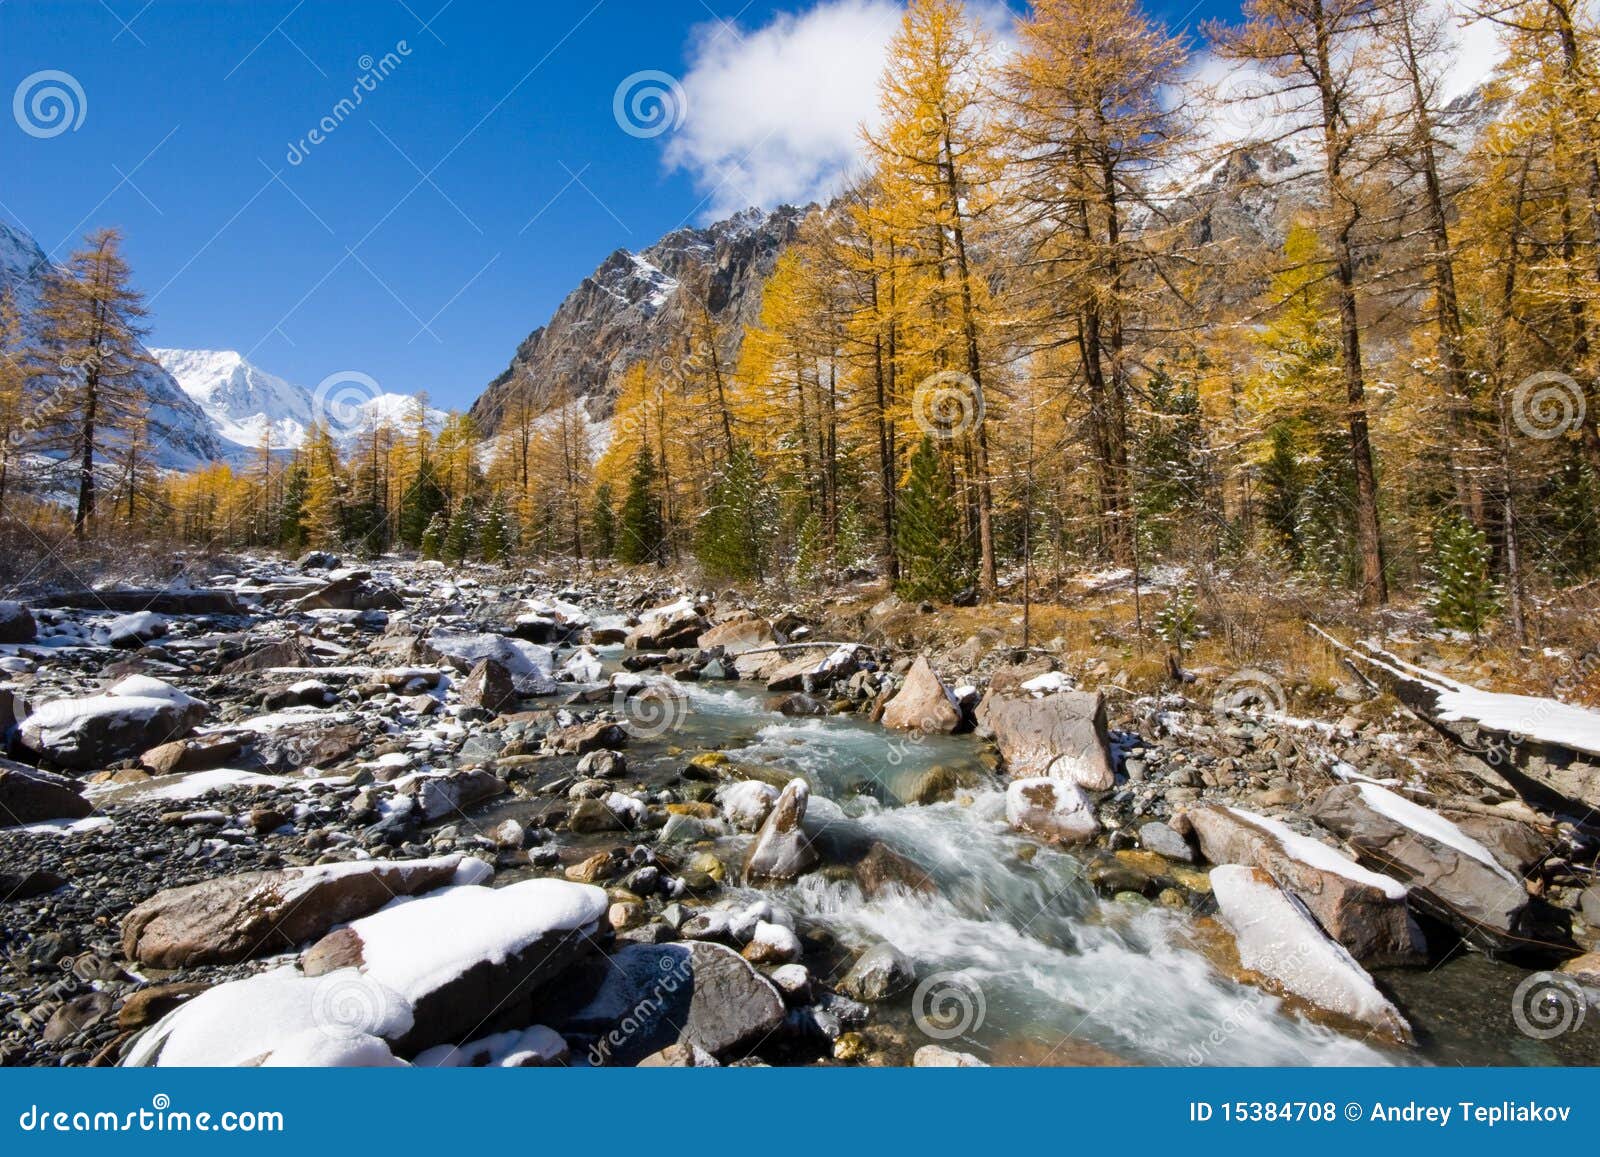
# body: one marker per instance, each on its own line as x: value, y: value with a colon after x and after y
x: 641, y: 536
x: 933, y: 555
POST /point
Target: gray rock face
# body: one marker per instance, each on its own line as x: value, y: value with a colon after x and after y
x: 700, y: 996
x: 1476, y: 896
x: 923, y: 704
x: 134, y: 715
x: 631, y: 310
x: 1062, y: 736
x: 782, y: 850
x: 881, y: 971
x: 443, y: 795
x: 1368, y: 917
x: 233, y: 918
x: 28, y: 796
x: 16, y: 623
x: 1164, y: 840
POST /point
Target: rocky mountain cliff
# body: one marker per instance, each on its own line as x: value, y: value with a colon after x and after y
x: 632, y: 306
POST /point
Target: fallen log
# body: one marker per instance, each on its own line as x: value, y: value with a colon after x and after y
x: 1546, y: 751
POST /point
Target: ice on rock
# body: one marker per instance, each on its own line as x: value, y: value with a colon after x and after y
x: 1278, y: 938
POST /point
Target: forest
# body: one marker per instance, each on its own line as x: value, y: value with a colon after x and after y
x: 1025, y: 340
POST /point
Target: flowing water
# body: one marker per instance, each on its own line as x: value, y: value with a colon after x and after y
x: 1028, y: 964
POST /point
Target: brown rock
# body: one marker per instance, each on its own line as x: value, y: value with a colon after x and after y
x: 234, y: 918
x: 923, y: 704
x: 1371, y: 922
x: 149, y: 1005
x: 1062, y: 736
x: 489, y: 687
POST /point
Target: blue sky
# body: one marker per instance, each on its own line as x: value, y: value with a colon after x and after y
x: 447, y: 214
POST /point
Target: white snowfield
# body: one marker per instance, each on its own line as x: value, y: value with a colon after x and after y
x: 1320, y: 856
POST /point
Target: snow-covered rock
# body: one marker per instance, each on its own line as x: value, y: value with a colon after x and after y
x: 1363, y: 910
x: 528, y: 663
x: 132, y: 716
x: 465, y: 958
x: 1452, y: 876
x: 1053, y: 808
x: 1278, y: 938
x: 232, y: 918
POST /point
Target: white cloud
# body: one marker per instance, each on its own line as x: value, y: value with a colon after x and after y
x: 774, y: 114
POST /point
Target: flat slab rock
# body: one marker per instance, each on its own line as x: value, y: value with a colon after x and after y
x: 1061, y: 736
x: 234, y: 918
x: 1362, y: 910
x: 1452, y: 876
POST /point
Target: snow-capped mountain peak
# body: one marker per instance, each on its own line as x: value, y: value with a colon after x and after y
x: 243, y: 401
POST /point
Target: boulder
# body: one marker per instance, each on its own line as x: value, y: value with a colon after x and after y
x: 939, y: 1057
x: 1062, y: 736
x: 582, y: 738
x: 132, y: 716
x: 350, y: 590
x: 466, y: 959
x: 16, y: 623
x: 677, y: 624
x: 698, y: 998
x: 880, y: 972
x: 923, y: 704
x: 1165, y: 840
x: 27, y: 883
x: 293, y: 749
x: 1362, y: 910
x: 812, y: 671
x: 1051, y: 808
x: 489, y: 687
x: 284, y: 653
x: 197, y: 753
x: 29, y: 796
x: 1281, y: 941
x: 318, y: 560
x: 438, y: 796
x: 131, y: 631
x: 1452, y: 877
x: 234, y: 918
x: 736, y: 636
x: 528, y: 663
x: 782, y: 850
